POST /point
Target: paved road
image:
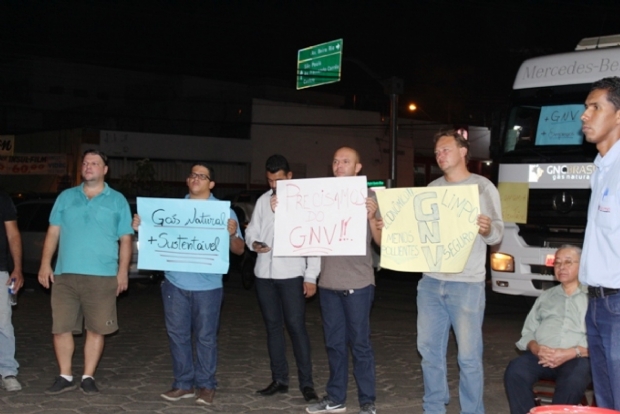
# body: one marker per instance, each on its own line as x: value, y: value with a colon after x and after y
x: 136, y: 368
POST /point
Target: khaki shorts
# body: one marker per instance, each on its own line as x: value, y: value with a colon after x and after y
x: 84, y: 299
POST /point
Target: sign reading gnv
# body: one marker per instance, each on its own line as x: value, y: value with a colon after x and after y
x: 183, y: 235
x: 319, y: 64
x: 321, y: 217
x: 429, y: 229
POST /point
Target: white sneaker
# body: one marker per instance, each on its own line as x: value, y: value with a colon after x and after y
x: 10, y: 383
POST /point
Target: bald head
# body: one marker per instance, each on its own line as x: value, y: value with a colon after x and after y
x: 346, y: 162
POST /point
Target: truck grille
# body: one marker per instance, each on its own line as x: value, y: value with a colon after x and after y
x: 555, y: 217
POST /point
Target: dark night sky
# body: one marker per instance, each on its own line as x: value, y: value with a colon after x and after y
x: 456, y: 57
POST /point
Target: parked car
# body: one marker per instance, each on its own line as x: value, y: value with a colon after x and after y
x: 243, y: 203
x: 33, y: 221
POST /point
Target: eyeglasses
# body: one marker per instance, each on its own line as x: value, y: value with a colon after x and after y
x: 565, y: 263
x: 199, y: 176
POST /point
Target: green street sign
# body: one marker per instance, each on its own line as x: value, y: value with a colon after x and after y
x: 375, y: 183
x: 319, y: 64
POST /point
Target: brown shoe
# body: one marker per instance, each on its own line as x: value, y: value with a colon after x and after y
x: 205, y: 396
x: 176, y: 394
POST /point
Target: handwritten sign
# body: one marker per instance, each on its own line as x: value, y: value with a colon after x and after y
x: 321, y: 217
x: 560, y: 125
x: 183, y: 235
x: 429, y: 229
x: 514, y: 198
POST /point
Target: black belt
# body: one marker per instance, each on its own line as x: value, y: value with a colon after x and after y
x: 601, y: 292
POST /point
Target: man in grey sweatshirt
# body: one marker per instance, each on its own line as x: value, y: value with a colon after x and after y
x: 457, y: 300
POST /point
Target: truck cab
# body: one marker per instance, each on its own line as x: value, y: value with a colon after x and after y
x: 545, y: 164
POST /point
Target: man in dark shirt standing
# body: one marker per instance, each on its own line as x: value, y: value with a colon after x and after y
x: 9, y: 237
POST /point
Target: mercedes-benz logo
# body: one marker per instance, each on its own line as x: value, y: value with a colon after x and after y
x: 563, y: 202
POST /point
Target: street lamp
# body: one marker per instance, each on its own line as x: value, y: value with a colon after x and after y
x: 413, y: 107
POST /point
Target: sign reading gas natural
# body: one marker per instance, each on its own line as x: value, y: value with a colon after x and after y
x: 184, y: 235
x: 319, y: 64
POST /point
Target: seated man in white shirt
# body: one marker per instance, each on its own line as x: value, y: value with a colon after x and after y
x: 554, y: 341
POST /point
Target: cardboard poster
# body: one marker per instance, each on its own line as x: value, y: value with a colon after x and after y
x: 321, y: 217
x: 514, y: 198
x: 430, y: 229
x: 183, y: 235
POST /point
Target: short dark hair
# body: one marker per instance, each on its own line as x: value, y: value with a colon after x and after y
x: 612, y: 86
x: 460, y: 140
x: 276, y: 163
x: 207, y: 166
x: 96, y: 152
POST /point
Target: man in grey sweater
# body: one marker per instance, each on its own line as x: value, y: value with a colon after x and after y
x: 457, y: 300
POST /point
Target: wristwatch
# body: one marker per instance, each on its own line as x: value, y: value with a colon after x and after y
x: 578, y: 352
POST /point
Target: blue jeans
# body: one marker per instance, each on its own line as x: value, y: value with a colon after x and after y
x: 282, y: 303
x: 8, y: 364
x: 459, y: 305
x: 603, y: 328
x: 196, y: 312
x: 346, y: 323
x: 571, y: 380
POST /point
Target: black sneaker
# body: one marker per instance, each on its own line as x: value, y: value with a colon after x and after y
x: 88, y: 386
x: 61, y: 385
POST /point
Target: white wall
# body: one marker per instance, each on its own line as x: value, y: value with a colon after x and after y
x: 308, y: 135
x: 174, y: 147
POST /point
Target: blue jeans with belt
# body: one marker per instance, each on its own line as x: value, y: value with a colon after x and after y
x: 603, y: 330
x: 346, y: 323
x: 282, y: 303
x: 197, y: 312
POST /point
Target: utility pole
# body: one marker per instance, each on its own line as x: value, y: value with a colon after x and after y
x: 393, y: 87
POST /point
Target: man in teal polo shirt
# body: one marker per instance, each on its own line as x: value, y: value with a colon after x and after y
x: 91, y: 226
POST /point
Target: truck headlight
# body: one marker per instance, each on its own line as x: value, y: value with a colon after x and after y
x: 502, y: 262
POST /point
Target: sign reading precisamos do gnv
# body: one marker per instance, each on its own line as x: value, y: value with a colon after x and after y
x: 321, y: 217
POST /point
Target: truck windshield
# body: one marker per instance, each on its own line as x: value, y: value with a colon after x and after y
x: 544, y: 126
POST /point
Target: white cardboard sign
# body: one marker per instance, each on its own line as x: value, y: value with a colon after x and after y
x: 321, y: 217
